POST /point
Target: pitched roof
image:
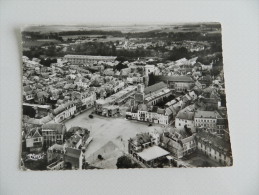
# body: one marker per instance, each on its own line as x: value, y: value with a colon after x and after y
x: 72, y: 152
x: 185, y: 114
x: 216, y: 141
x: 60, y: 128
x: 154, y: 87
x: 205, y: 114
x: 174, y: 78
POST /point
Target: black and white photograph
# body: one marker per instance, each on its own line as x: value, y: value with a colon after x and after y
x: 129, y: 97
x: 118, y: 97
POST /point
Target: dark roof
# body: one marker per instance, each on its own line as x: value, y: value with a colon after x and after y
x: 184, y: 114
x: 72, y: 152
x: 174, y: 78
x: 214, y: 140
x: 27, y: 88
x: 60, y: 128
x: 154, y: 87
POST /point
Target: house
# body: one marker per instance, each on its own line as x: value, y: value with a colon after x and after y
x: 73, y: 158
x: 77, y: 138
x: 108, y: 72
x: 82, y: 82
x: 116, y: 98
x: 178, y: 83
x: 82, y: 59
x: 152, y: 114
x: 156, y: 93
x: 87, y: 98
x: 64, y: 111
x: 145, y: 150
x: 179, y: 142
x: 55, y: 152
x: 110, y: 110
x: 207, y: 119
x: 28, y: 93
x: 42, y: 97
x: 185, y: 118
x: 215, y: 147
x: 53, y: 133
x: 57, y: 165
x: 34, y: 140
x: 125, y: 71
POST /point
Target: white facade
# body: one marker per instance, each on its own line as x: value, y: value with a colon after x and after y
x: 180, y: 123
x: 65, y: 114
x: 205, y: 122
x: 214, y: 154
x: 81, y: 59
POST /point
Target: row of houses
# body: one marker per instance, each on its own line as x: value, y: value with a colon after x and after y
x: 172, y: 145
x: 102, y: 105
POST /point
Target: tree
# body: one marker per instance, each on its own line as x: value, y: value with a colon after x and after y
x: 47, y: 62
x: 120, y: 66
x: 125, y: 162
x: 178, y: 53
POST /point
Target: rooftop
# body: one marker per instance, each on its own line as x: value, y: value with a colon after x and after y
x: 60, y: 128
x: 174, y: 78
x: 154, y: 87
x: 72, y: 152
x: 185, y: 114
x: 153, y: 152
x: 90, y: 57
x: 205, y: 114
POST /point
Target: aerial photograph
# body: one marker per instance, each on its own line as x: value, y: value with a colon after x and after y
x: 122, y: 97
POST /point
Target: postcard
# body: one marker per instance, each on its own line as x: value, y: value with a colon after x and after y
x: 115, y: 97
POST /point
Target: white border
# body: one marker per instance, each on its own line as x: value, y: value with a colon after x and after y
x: 240, y: 23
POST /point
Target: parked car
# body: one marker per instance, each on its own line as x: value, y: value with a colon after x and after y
x: 150, y: 125
x: 91, y: 116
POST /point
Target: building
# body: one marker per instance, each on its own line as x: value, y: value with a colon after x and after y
x: 179, y: 142
x: 28, y: 93
x: 82, y: 59
x: 55, y: 152
x: 185, y: 118
x: 110, y: 111
x: 87, y: 98
x: 64, y: 111
x: 57, y: 165
x: 34, y: 140
x: 73, y: 158
x: 116, y: 98
x: 152, y: 114
x: 178, y: 83
x: 156, y: 93
x: 145, y: 150
x: 215, y: 147
x: 206, y: 119
x: 53, y: 133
